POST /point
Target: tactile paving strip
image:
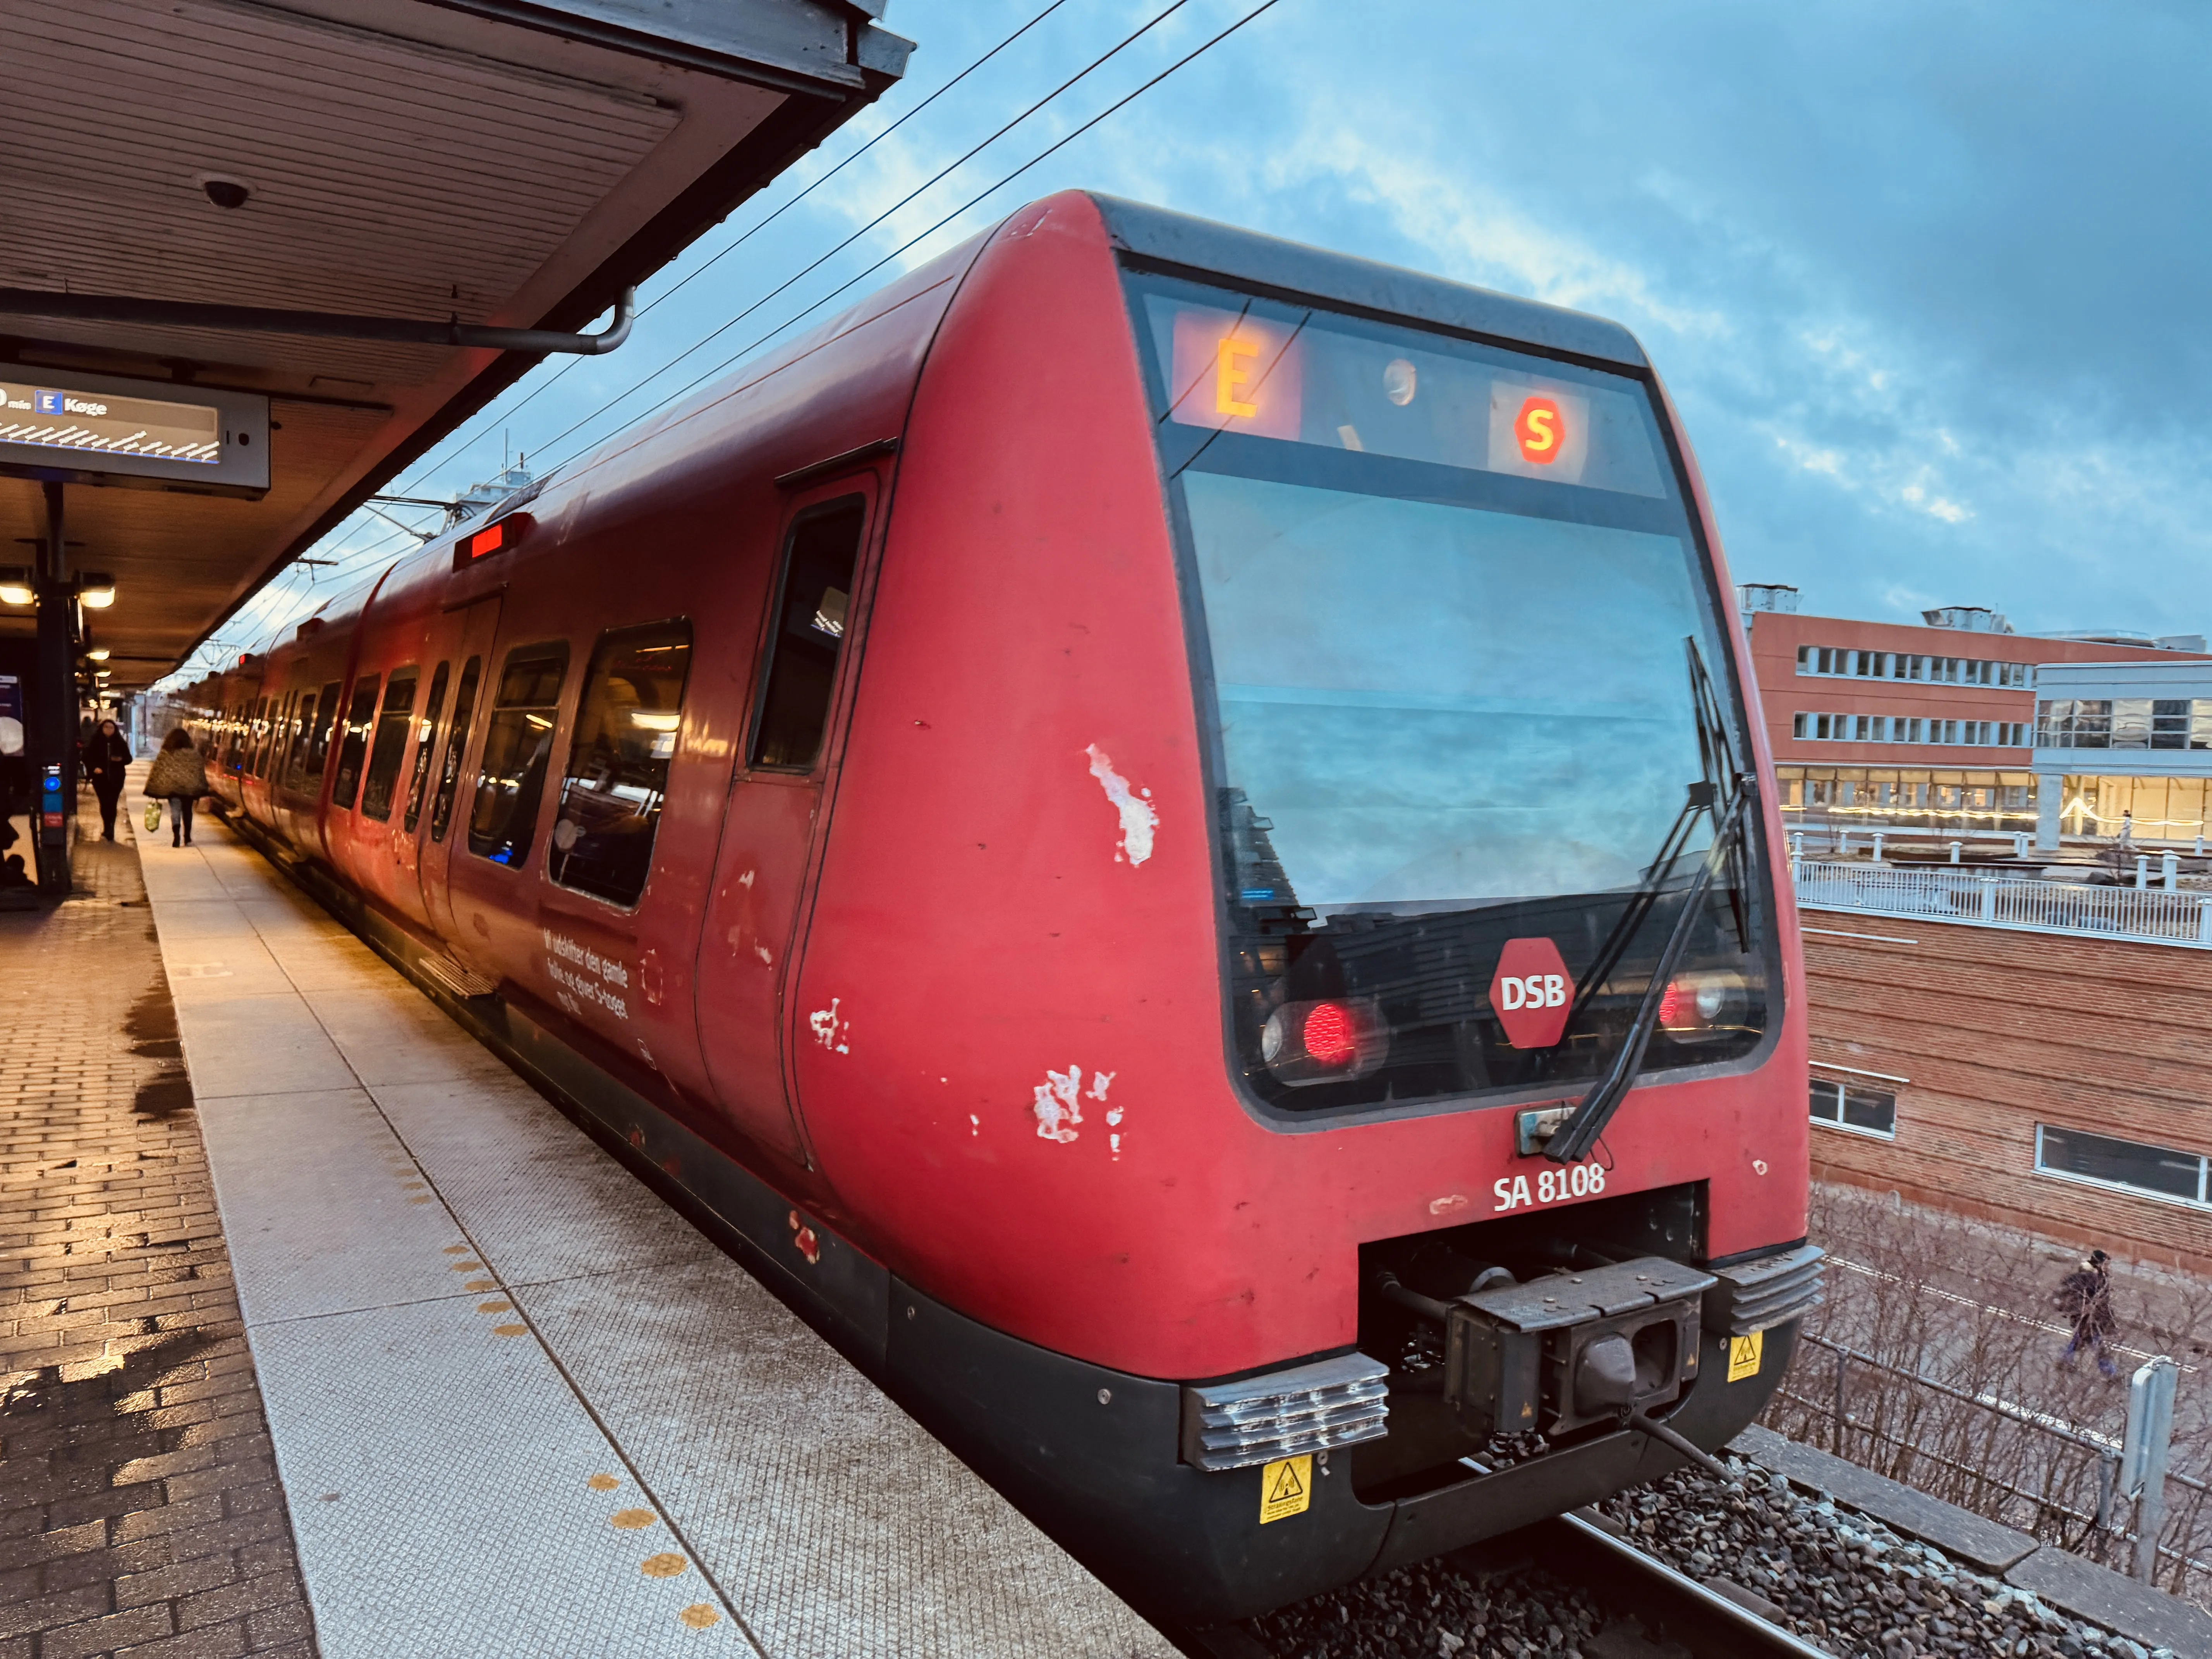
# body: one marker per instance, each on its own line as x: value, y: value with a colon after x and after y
x: 548, y: 1418
x: 456, y: 1513
x: 778, y: 1459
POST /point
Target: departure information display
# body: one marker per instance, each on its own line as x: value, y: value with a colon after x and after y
x: 55, y: 417
x: 56, y: 423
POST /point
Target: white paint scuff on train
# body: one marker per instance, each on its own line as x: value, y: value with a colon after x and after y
x: 829, y: 1028
x: 1057, y: 1105
x: 1140, y: 817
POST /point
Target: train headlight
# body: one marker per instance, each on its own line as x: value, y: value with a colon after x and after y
x: 1705, y: 1006
x: 1325, y: 1042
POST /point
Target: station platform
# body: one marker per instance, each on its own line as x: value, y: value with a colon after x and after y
x: 517, y: 1405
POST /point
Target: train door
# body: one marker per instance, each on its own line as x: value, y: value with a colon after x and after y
x: 775, y: 801
x: 441, y: 822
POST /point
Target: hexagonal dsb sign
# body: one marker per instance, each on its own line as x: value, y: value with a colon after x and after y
x: 1532, y: 993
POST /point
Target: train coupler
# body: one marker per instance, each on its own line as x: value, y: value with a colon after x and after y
x: 1567, y: 1351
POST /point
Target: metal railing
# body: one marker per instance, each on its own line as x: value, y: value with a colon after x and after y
x: 1962, y: 895
x: 2071, y: 1503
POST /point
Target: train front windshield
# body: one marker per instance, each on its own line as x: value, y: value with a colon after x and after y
x: 1451, y: 604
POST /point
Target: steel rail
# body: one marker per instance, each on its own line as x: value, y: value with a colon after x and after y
x: 1579, y: 1548
x: 1579, y: 1545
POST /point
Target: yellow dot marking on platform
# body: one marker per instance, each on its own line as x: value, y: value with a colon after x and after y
x: 467, y: 1266
x: 700, y: 1616
x: 663, y: 1567
x: 603, y: 1482
x: 1285, y: 1487
x: 481, y: 1285
x: 631, y: 1520
x: 1744, y: 1355
x: 510, y: 1330
x: 459, y: 1250
x: 418, y: 1200
x: 495, y: 1307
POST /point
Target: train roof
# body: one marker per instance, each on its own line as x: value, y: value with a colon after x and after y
x: 1250, y: 259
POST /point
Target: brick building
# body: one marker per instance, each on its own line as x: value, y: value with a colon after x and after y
x: 1925, y: 727
x: 2051, y: 1079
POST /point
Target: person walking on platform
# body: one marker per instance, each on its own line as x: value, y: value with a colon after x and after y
x: 2086, y: 1298
x: 178, y: 776
x: 105, y: 758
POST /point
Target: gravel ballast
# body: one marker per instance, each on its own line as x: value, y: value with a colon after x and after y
x: 1839, y: 1580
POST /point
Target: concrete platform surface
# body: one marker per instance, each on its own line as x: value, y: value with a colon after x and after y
x: 519, y: 1407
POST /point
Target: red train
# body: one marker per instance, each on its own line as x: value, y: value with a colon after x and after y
x: 1127, y: 814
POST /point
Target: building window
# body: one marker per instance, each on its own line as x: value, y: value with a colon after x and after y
x: 1849, y: 1106
x: 2169, y: 723
x: 1827, y: 660
x: 2158, y: 1171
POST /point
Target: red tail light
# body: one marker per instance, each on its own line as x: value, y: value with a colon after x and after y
x: 1329, y: 1035
x: 1325, y: 1042
x: 1697, y: 1007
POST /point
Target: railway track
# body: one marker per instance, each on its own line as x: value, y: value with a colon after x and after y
x: 1679, y: 1617
x: 1672, y: 1606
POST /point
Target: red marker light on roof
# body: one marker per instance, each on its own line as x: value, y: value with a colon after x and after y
x: 495, y: 537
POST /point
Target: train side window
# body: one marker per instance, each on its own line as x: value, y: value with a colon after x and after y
x: 426, y: 745
x: 627, y: 724
x: 287, y: 738
x: 303, y: 727
x: 457, y: 744
x: 817, y: 592
x: 518, y: 752
x: 353, y: 747
x: 389, y: 746
x: 318, y: 736
x: 257, y: 737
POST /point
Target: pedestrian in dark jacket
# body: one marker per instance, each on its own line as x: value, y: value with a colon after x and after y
x: 105, y: 758
x: 178, y: 776
x: 2086, y: 1298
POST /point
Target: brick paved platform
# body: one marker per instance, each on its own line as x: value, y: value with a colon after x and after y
x: 140, y: 1512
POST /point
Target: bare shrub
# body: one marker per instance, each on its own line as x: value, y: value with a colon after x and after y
x: 1952, y: 1384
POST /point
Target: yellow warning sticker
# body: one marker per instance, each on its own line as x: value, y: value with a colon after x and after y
x: 1743, y: 1355
x: 1285, y: 1487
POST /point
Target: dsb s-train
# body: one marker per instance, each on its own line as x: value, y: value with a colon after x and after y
x: 1167, y: 827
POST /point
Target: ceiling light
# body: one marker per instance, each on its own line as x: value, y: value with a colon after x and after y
x: 15, y: 586
x: 96, y: 590
x: 98, y: 653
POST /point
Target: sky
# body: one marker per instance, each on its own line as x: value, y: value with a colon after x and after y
x: 1926, y: 282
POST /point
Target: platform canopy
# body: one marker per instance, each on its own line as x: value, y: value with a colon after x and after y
x: 514, y: 163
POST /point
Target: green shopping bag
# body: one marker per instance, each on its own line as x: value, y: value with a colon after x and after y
x: 153, y: 815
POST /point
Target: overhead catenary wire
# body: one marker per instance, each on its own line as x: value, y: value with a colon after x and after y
x: 909, y: 243
x: 545, y: 385
x: 359, y: 559
x: 936, y: 178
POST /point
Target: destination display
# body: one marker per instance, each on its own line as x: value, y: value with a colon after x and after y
x: 54, y: 417
x: 124, y: 431
x: 1278, y: 373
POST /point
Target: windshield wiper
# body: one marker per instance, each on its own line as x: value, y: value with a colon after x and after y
x: 1726, y: 792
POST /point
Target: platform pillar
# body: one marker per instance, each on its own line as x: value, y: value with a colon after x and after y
x: 53, y: 696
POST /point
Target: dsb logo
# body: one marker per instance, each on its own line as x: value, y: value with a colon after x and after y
x: 1533, y: 993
